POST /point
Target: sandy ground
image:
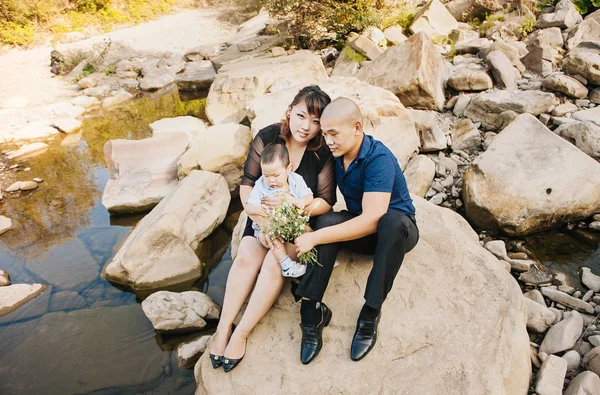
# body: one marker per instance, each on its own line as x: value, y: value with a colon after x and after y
x: 26, y: 73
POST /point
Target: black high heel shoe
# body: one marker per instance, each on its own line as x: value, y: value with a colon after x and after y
x: 230, y: 363
x: 217, y: 360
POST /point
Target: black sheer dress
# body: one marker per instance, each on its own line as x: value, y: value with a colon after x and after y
x: 316, y: 167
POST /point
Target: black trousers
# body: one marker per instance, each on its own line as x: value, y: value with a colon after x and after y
x: 396, y: 235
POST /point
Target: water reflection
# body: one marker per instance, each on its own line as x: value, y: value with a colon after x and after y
x: 82, y: 335
x: 565, y: 251
x: 74, y: 176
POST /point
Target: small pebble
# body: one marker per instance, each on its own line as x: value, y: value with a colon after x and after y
x: 27, y: 169
x: 13, y: 166
x: 38, y: 180
x: 542, y: 356
x: 577, y: 294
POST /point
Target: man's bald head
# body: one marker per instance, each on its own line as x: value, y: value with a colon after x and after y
x: 341, y: 111
x: 341, y: 125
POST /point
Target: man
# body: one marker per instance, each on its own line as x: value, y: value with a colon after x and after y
x: 380, y: 220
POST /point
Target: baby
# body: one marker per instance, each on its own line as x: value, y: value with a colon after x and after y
x: 278, y: 179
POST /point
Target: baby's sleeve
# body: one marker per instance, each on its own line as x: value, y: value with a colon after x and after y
x: 302, y: 190
x: 257, y: 193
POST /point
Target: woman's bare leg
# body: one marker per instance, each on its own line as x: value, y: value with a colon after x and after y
x: 242, y: 276
x: 268, y: 286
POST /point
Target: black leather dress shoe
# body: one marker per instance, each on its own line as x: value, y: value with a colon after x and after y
x: 364, y: 338
x: 312, y: 336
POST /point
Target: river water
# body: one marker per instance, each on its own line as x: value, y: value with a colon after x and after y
x: 85, y: 336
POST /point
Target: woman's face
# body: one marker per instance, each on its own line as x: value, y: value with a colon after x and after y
x: 304, y: 126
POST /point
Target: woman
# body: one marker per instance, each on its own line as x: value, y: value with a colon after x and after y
x: 300, y: 131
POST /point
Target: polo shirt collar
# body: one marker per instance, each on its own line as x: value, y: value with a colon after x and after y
x: 365, y: 147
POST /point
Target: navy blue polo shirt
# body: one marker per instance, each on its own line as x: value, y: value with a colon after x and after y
x: 375, y: 169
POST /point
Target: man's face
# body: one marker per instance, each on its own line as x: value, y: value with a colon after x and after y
x: 340, y: 135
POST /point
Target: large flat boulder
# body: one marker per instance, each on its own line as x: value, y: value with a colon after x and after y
x: 160, y: 251
x: 487, y: 107
x: 380, y: 108
x: 454, y: 323
x: 220, y: 149
x: 238, y: 83
x: 196, y: 76
x: 419, y: 73
x: 142, y: 172
x: 527, y: 180
x: 187, y: 124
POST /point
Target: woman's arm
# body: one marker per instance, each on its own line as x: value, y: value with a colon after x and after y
x: 317, y: 207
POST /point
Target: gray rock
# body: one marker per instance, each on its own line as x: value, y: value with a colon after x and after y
x: 551, y: 376
x: 594, y: 96
x: 567, y: 300
x: 591, y: 115
x: 4, y: 278
x: 539, y: 318
x: 565, y: 15
x: 573, y: 360
x: 586, y: 383
x: 502, y: 70
x: 591, y: 360
x: 172, y: 312
x: 15, y: 295
x: 565, y: 84
x: 427, y: 126
x: 536, y: 296
x: 486, y: 106
x: 196, y: 76
x: 540, y: 60
x: 587, y: 30
x: 564, y: 109
x: 594, y: 340
x: 521, y: 265
x: 188, y: 353
x: 562, y: 336
x: 590, y: 280
x: 461, y: 104
x: 248, y: 45
x: 468, y: 79
x: 155, y: 78
x: 364, y: 46
x: 551, y: 37
x: 395, y: 34
x: 498, y: 248
x: 5, y: 226
x: 472, y: 46
x: 419, y: 82
x: 584, y: 63
x: 587, y: 296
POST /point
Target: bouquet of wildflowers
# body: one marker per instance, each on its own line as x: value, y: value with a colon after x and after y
x: 288, y: 222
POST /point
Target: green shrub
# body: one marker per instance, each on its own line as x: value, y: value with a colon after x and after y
x: 527, y: 25
x: 585, y: 6
x: 12, y: 33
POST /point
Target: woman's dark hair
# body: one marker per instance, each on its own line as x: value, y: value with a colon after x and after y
x: 316, y: 100
x: 273, y: 152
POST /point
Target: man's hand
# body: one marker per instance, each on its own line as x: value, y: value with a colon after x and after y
x: 305, y: 243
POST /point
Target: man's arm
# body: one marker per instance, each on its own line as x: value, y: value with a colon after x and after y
x: 375, y: 205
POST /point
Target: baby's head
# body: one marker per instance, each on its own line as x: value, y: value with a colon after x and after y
x: 275, y: 165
